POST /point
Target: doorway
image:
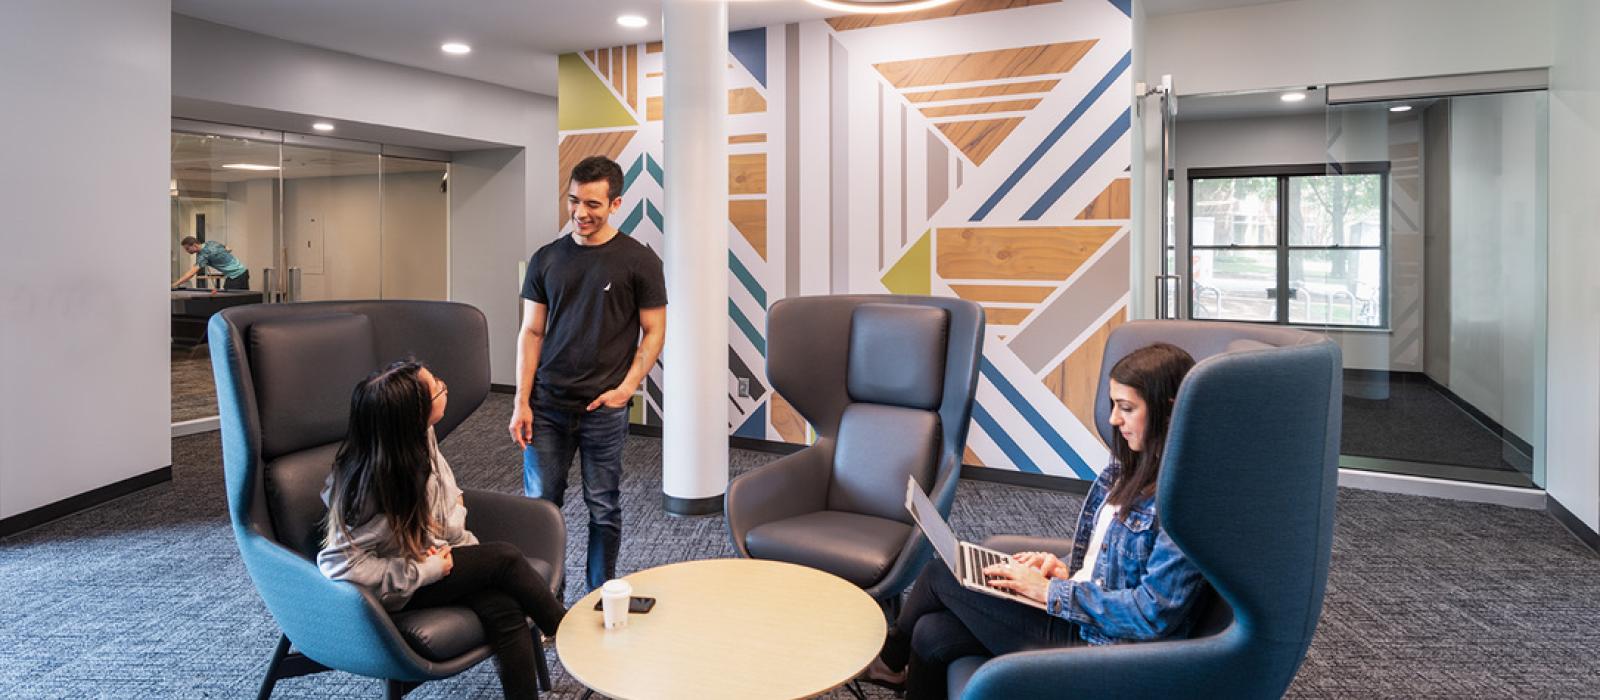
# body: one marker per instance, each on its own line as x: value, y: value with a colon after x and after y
x: 1410, y: 230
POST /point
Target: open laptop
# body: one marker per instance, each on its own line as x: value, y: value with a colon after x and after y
x: 966, y: 560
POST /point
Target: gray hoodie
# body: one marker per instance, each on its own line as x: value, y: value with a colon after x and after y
x: 368, y: 556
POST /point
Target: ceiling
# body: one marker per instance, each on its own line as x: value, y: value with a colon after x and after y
x: 512, y: 41
x: 1269, y: 103
x: 1249, y: 104
x: 1173, y: 7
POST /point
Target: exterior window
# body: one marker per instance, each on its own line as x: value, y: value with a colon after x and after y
x: 1290, y: 245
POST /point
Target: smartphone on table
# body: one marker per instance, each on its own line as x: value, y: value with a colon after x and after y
x: 637, y: 605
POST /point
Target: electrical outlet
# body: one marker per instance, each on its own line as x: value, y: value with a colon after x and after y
x: 744, y: 387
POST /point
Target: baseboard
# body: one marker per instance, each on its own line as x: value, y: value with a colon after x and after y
x: 643, y: 430
x: 1495, y: 494
x: 1062, y: 484
x: 196, y: 426
x: 83, y: 501
x: 758, y: 445
x: 1577, y: 527
x: 502, y: 389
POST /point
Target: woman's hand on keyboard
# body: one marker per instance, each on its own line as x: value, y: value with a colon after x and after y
x: 1045, y: 562
x: 1025, y: 581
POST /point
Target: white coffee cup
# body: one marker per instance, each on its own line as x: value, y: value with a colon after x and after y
x: 614, y: 602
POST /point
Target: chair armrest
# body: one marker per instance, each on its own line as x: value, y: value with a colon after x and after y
x: 915, y: 553
x: 1208, y: 667
x: 534, y: 525
x: 789, y: 486
x: 335, y: 623
x: 1011, y: 544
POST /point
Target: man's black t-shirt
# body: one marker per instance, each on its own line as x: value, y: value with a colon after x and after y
x: 593, y: 295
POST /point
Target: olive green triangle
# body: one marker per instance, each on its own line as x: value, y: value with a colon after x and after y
x: 914, y: 273
x: 582, y: 101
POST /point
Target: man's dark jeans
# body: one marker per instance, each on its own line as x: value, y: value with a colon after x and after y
x: 598, y: 435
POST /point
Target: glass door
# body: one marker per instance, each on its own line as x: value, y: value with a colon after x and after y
x: 224, y: 198
x: 277, y: 217
x: 1437, y: 295
x: 1409, y: 231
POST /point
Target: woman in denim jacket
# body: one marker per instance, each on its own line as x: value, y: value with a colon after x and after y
x: 1124, y: 582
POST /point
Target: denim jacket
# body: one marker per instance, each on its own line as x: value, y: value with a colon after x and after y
x: 1142, y: 588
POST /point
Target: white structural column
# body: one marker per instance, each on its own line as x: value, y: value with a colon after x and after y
x: 695, y: 135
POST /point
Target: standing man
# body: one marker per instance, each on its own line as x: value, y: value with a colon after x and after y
x: 580, y: 356
x: 213, y: 255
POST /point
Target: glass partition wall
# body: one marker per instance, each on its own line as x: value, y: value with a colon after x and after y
x: 1411, y: 232
x: 309, y: 218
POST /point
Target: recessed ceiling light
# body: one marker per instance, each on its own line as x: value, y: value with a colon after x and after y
x: 1400, y: 108
x: 633, y: 21
x: 1292, y: 97
x: 249, y: 166
x: 456, y: 47
x: 878, y: 7
x: 322, y: 126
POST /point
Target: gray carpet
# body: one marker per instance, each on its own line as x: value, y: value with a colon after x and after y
x: 146, y: 596
x: 194, y: 390
x: 1415, y: 422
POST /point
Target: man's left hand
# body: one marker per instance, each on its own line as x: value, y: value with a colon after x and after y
x: 616, y: 398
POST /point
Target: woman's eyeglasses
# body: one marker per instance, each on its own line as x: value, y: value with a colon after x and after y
x: 443, y: 389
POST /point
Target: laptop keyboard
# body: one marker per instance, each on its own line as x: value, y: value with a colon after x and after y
x: 977, y: 561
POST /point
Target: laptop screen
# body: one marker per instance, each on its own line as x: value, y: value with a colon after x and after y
x: 934, y: 526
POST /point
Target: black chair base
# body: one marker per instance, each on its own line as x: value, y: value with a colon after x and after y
x: 286, y: 664
x: 293, y: 664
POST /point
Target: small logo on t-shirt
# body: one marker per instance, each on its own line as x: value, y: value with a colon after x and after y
x: 607, y: 288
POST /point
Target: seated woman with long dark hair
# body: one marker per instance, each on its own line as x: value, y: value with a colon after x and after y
x: 397, y: 524
x: 1124, y: 582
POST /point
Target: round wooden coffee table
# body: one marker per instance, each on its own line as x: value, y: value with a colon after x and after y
x: 726, y: 628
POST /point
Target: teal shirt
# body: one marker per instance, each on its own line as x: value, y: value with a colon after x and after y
x: 213, y: 255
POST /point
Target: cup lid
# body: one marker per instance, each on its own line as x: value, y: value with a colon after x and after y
x: 617, y: 586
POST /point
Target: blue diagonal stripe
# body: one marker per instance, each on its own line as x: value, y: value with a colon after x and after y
x: 1054, y: 136
x: 655, y: 216
x: 1003, y: 441
x: 1035, y: 419
x: 748, y: 279
x: 1079, y: 167
x: 655, y: 170
x: 633, y: 220
x: 749, y: 328
x: 1125, y: 5
x: 632, y: 174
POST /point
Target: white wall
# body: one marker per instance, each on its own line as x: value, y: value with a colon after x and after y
x: 330, y: 227
x: 83, y: 367
x: 252, y: 217
x: 1145, y: 200
x: 1436, y: 244
x: 487, y: 192
x: 416, y: 247
x: 1573, y: 402
x: 1316, y: 42
x: 232, y: 68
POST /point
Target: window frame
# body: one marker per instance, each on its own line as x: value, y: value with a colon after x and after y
x: 1282, y: 294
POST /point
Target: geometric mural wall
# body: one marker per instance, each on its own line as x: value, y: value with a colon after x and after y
x: 979, y: 150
